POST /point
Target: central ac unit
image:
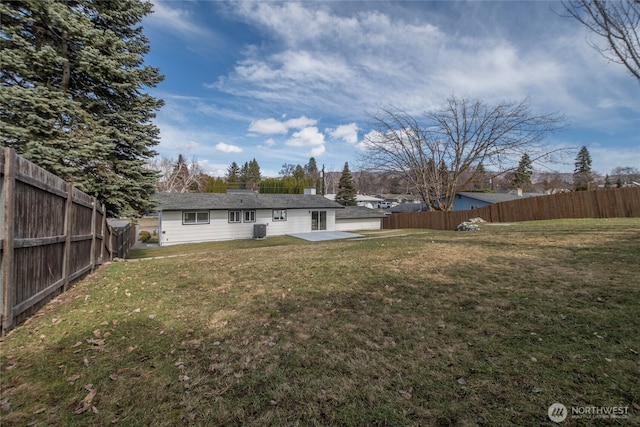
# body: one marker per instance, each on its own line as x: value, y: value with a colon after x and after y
x: 259, y: 231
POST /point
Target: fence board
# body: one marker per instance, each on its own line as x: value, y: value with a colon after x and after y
x: 617, y: 202
x: 51, y: 234
x: 8, y: 254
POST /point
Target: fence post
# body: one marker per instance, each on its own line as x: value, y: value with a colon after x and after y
x: 110, y: 242
x: 104, y: 234
x: 66, y: 260
x: 94, y: 231
x: 8, y: 254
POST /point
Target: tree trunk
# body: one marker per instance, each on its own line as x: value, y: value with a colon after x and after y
x: 66, y: 67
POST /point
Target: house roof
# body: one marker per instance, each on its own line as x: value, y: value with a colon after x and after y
x: 495, y: 197
x: 233, y: 201
x: 118, y: 223
x: 358, y: 212
x: 359, y: 198
x: 408, y: 207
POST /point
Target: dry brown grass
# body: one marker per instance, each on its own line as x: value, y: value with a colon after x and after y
x: 417, y: 328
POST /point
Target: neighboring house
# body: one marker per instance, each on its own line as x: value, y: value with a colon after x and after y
x: 206, y: 217
x: 353, y: 218
x: 362, y: 200
x: 407, y: 207
x: 463, y: 201
x: 396, y: 199
x: 466, y: 200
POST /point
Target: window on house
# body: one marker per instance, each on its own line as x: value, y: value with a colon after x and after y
x: 195, y: 217
x: 234, y: 216
x: 279, y: 214
x: 318, y: 220
x: 249, y: 216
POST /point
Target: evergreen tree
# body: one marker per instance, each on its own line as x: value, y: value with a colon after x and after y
x: 180, y: 175
x: 233, y: 176
x: 582, y: 176
x: 524, y: 172
x: 213, y: 185
x: 250, y: 175
x: 313, y: 175
x: 346, y: 195
x: 607, y: 182
x: 287, y: 169
x: 299, y: 172
x: 480, y: 179
x: 243, y: 176
x: 272, y: 186
x: 73, y: 101
x: 311, y: 169
x: 285, y: 185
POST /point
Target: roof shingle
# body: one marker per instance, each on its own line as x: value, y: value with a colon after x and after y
x: 232, y: 201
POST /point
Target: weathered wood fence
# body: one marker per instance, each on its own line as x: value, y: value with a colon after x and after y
x: 51, y: 234
x: 617, y: 202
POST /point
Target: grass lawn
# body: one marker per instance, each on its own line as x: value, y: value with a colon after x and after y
x: 413, y: 327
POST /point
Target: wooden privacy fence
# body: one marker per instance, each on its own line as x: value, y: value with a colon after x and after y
x: 51, y: 234
x: 618, y: 202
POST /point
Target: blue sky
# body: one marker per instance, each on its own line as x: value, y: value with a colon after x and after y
x: 283, y: 81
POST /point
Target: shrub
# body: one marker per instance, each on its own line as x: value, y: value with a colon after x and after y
x: 144, y: 236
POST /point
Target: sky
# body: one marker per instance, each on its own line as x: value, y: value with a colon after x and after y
x: 281, y: 82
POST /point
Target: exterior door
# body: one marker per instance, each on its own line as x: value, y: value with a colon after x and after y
x: 318, y: 220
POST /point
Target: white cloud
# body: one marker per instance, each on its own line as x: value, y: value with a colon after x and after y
x: 342, y: 59
x: 166, y: 16
x: 300, y: 123
x: 228, y: 148
x: 605, y: 159
x: 348, y: 133
x: 308, y: 137
x: 272, y: 126
x: 317, y: 151
x: 268, y: 127
x: 373, y: 135
x: 172, y: 139
x: 337, y: 61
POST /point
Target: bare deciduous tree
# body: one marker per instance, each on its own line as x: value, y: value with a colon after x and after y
x: 177, y: 176
x: 626, y: 175
x: 437, y: 154
x: 618, y: 22
x: 331, y: 179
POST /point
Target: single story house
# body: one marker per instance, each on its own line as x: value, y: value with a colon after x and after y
x: 463, y: 201
x: 407, y: 207
x: 353, y: 218
x: 206, y: 217
x: 466, y: 200
x: 370, y: 202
